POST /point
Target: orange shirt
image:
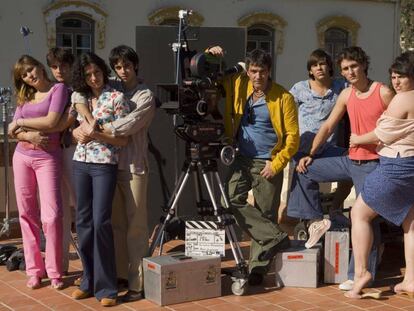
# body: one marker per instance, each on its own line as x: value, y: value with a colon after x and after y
x: 363, y: 115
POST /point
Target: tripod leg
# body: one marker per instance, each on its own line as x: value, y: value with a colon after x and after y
x: 74, y: 244
x: 240, y: 279
x: 159, y: 237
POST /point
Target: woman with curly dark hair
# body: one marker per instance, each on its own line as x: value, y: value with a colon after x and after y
x: 94, y: 170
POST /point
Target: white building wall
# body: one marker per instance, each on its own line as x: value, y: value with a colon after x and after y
x: 377, y: 34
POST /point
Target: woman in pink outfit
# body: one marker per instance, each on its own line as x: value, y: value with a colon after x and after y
x: 36, y: 167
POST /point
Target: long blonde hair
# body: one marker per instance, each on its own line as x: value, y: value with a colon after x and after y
x: 25, y: 92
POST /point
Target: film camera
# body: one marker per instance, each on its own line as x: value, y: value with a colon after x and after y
x: 196, y: 102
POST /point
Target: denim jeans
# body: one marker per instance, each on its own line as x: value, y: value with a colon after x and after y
x: 304, y: 201
x: 94, y: 187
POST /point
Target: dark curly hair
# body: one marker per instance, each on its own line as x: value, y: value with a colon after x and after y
x: 404, y: 65
x: 354, y: 53
x: 78, y: 72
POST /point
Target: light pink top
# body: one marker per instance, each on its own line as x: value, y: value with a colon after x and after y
x: 396, y: 136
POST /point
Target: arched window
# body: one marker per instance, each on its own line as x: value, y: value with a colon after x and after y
x: 75, y: 32
x: 336, y: 39
x: 75, y: 17
x: 260, y: 37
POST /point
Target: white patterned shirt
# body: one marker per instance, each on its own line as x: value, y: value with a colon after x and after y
x: 111, y: 105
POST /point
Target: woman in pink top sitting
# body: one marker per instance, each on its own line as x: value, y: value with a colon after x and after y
x: 36, y: 167
x: 388, y: 190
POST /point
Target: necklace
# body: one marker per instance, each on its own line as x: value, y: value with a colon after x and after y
x: 365, y: 89
x: 258, y: 93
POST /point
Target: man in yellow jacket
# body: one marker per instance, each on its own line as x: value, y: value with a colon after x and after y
x: 261, y: 117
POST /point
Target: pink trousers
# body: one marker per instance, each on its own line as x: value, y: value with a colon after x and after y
x: 42, y: 174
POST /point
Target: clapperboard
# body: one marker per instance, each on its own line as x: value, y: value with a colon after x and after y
x: 204, y: 238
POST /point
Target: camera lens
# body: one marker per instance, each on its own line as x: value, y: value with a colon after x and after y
x: 201, y: 107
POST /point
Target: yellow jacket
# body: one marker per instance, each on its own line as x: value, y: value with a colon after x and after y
x: 283, y: 115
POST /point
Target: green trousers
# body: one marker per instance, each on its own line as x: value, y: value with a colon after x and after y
x: 259, y: 221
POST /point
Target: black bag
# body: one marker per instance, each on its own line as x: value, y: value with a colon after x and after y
x: 5, y: 252
x: 15, y: 260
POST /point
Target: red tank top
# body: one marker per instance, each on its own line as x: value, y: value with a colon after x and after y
x: 363, y: 116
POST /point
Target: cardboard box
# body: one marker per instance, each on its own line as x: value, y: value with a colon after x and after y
x: 177, y: 278
x: 298, y: 266
x: 336, y: 256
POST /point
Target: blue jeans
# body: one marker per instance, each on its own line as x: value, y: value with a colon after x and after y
x: 330, y: 166
x: 94, y: 187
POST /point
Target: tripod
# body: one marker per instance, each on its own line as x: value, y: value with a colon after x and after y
x: 5, y: 94
x: 200, y: 158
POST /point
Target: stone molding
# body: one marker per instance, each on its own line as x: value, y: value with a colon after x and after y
x: 158, y: 16
x: 337, y: 21
x: 81, y: 7
x: 272, y: 20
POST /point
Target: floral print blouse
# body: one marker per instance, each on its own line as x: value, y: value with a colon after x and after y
x: 111, y: 105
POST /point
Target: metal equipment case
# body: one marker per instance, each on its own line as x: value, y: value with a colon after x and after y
x: 336, y: 256
x: 177, y: 278
x: 298, y: 266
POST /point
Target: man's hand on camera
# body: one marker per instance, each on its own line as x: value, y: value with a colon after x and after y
x: 267, y: 172
x: 303, y: 164
x: 216, y: 51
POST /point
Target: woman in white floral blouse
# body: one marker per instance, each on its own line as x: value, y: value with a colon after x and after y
x: 94, y: 169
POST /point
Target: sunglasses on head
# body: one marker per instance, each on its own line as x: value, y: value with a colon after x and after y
x: 250, y: 114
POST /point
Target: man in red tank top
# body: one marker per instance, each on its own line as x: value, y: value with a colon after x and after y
x: 365, y: 100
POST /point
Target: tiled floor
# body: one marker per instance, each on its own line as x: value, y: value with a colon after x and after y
x: 14, y: 295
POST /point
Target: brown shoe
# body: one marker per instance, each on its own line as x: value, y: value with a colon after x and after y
x: 80, y: 294
x: 78, y: 281
x: 108, y: 302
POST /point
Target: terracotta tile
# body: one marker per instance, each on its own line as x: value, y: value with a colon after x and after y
x: 210, y: 302
x: 278, y: 299
x: 72, y: 307
x: 189, y: 308
x: 16, y: 300
x: 142, y: 304
x: 32, y: 307
x: 314, y: 298
x: 399, y: 301
x: 385, y: 308
x: 330, y: 304
x: 364, y: 303
x: 226, y: 307
x: 350, y: 308
x: 267, y: 307
x: 295, y: 305
x: 243, y: 300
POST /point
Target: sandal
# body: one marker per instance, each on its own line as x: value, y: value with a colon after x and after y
x: 56, y: 283
x: 33, y: 282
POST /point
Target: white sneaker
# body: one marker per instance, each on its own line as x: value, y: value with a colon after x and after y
x: 347, y: 285
x: 316, y: 231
